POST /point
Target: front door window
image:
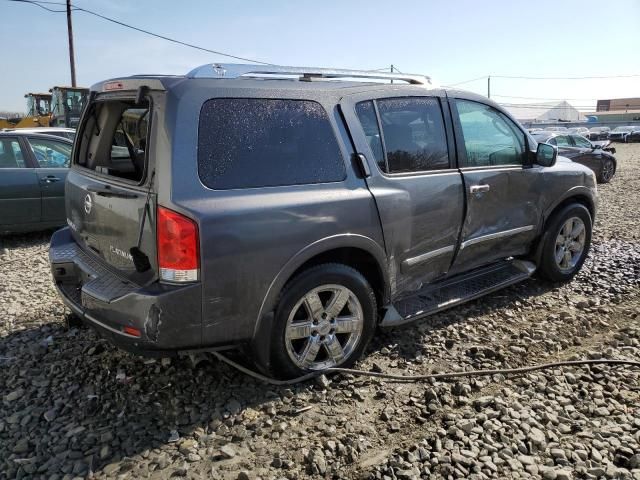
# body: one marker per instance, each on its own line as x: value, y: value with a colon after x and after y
x: 490, y: 138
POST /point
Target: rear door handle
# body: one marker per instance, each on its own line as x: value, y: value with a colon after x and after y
x: 50, y: 179
x: 479, y: 188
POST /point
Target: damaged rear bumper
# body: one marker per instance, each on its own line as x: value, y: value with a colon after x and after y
x: 167, y: 317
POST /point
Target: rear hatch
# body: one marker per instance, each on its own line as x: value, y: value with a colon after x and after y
x: 110, y: 197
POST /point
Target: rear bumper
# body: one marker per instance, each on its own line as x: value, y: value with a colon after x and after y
x: 168, y: 317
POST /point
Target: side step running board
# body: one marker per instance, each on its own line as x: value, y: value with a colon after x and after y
x: 454, y: 291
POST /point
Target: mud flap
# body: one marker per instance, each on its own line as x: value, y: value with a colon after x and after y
x: 261, y: 344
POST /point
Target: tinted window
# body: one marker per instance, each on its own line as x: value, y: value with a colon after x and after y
x: 490, y: 138
x: 244, y: 143
x: 11, y: 154
x: 51, y: 154
x: 414, y: 136
x: 368, y: 119
x: 562, y: 141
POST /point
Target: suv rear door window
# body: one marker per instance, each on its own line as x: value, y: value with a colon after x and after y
x: 113, y: 140
x: 253, y: 142
x: 490, y: 138
x: 413, y: 133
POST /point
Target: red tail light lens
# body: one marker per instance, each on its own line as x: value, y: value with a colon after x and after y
x: 177, y: 238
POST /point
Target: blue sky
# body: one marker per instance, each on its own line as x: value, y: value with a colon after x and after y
x: 452, y: 41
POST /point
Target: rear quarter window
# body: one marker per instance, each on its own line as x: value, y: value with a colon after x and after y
x: 251, y: 142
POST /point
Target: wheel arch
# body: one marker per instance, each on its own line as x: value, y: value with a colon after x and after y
x: 580, y: 195
x: 358, y: 251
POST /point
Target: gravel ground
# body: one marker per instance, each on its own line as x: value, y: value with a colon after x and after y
x: 74, y: 406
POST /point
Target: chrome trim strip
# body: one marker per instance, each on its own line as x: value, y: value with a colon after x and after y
x: 410, y: 262
x: 493, y: 236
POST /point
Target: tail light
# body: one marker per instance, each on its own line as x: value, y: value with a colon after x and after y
x: 177, y: 238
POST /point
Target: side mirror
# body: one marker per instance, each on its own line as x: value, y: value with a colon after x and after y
x: 546, y: 155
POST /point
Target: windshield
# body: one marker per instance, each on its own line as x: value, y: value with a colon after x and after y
x: 622, y: 129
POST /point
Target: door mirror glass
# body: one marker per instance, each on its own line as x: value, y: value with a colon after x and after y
x: 546, y: 155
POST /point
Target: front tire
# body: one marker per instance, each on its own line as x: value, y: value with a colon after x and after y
x: 567, y: 240
x: 325, y: 318
x: 607, y: 172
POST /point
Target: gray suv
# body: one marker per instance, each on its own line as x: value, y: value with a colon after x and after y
x: 294, y: 210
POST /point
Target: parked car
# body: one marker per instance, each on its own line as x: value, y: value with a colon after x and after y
x: 581, y: 150
x: 33, y: 169
x: 634, y: 136
x: 598, y: 133
x: 295, y: 216
x: 620, y: 134
x: 584, y: 131
x: 556, y: 129
x: 69, y: 133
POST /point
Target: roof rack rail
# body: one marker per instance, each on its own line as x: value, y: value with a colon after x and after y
x: 236, y: 70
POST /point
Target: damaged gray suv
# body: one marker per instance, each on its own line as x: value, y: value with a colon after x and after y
x: 294, y: 210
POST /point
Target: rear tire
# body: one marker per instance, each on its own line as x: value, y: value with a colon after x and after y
x: 567, y: 240
x: 325, y: 318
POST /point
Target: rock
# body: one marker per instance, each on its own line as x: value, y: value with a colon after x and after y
x: 227, y: 451
x: 15, y: 395
x: 111, y: 468
x: 483, y: 402
x: 21, y: 447
x: 537, y: 437
x: 323, y: 381
x: 526, y: 459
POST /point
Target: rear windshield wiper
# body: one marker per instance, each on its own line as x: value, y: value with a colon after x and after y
x: 107, y: 192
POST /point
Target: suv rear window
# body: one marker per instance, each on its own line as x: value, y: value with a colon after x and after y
x: 250, y: 142
x: 113, y: 140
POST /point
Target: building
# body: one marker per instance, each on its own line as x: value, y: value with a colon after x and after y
x: 544, y: 112
x: 618, y: 104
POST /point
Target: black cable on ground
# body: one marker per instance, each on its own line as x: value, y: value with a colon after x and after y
x: 419, y: 378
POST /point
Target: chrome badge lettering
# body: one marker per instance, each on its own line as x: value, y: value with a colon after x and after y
x: 120, y: 253
x: 88, y: 203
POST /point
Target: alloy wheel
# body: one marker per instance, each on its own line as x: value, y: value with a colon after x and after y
x: 324, y: 327
x: 570, y: 244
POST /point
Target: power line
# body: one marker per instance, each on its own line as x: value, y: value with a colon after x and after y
x: 522, y: 77
x: 163, y: 37
x: 550, y: 99
x: 545, y: 107
x: 467, y: 81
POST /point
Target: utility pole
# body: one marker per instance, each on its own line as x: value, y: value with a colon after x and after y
x: 71, y: 55
x: 489, y: 86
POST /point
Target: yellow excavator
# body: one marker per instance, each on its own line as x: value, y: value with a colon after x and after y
x: 38, y: 113
x: 66, y: 105
x: 61, y: 107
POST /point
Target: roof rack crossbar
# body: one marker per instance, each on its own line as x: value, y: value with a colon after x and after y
x: 236, y: 70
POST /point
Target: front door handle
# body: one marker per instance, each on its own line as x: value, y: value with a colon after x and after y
x: 50, y: 179
x: 479, y: 188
